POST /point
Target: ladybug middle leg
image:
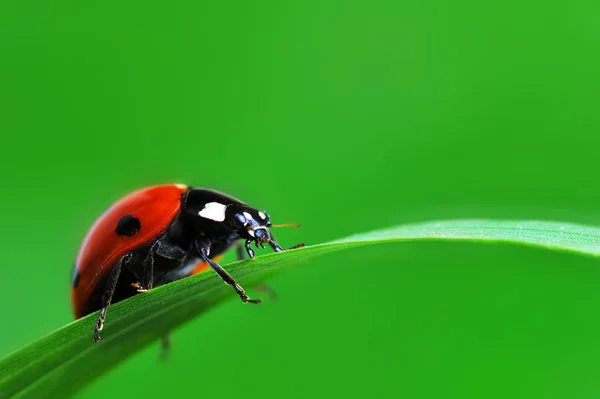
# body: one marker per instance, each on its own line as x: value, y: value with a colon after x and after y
x: 165, y: 347
x: 239, y: 251
x: 161, y: 248
x: 166, y: 250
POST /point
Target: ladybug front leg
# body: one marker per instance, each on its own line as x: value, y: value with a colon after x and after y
x: 203, y: 248
x: 241, y: 255
x: 111, y: 284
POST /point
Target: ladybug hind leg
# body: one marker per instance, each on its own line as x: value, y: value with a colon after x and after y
x: 111, y: 285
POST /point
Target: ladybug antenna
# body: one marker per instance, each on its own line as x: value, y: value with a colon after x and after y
x: 285, y: 225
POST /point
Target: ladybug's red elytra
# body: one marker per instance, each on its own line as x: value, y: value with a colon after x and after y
x: 160, y: 234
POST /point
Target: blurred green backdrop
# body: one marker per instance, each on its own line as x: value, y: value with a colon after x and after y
x: 342, y: 116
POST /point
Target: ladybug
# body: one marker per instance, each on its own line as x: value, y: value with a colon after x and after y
x: 160, y: 234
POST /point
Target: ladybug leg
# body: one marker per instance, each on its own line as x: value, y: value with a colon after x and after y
x: 277, y: 248
x: 111, y: 284
x: 164, y: 250
x: 165, y: 346
x: 249, y: 250
x: 239, y: 250
x: 203, y: 248
x: 301, y: 245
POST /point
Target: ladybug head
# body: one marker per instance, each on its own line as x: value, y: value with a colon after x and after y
x: 251, y: 224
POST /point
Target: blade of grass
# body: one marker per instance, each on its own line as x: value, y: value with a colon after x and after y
x: 64, y: 361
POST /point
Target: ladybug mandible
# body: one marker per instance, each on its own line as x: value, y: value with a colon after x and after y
x: 160, y: 234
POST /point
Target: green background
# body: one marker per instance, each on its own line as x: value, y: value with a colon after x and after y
x: 344, y: 117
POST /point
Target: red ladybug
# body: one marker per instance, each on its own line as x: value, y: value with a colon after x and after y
x: 157, y: 235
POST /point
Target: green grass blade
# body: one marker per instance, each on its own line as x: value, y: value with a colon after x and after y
x: 66, y: 360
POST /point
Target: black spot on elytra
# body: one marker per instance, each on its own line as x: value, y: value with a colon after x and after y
x: 128, y: 226
x: 75, y: 277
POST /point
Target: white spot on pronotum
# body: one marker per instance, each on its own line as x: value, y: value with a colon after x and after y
x: 181, y: 186
x: 213, y: 211
x: 248, y: 216
x: 251, y: 232
x: 262, y: 215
